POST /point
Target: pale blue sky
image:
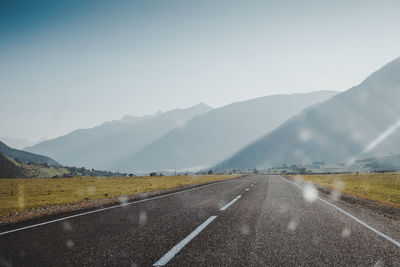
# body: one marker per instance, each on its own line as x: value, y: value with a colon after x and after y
x: 76, y: 64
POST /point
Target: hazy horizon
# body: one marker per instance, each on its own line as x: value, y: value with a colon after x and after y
x: 18, y: 141
x: 70, y: 65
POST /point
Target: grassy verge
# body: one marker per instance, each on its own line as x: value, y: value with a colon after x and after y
x: 17, y: 195
x: 381, y: 187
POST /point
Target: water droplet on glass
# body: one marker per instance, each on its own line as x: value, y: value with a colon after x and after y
x: 292, y: 225
x: 142, y: 218
x: 69, y: 243
x: 304, y: 135
x: 335, y: 195
x: 91, y: 190
x: 379, y: 263
x: 310, y: 193
x: 123, y: 199
x: 283, y: 208
x: 345, y: 233
x: 245, y: 230
x: 67, y: 226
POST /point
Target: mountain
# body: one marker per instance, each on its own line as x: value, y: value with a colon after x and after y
x: 207, y: 139
x: 19, y: 143
x: 25, y: 156
x: 105, y: 146
x: 360, y: 122
x: 8, y: 169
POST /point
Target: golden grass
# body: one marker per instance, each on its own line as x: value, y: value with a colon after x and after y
x: 381, y: 187
x: 25, y: 194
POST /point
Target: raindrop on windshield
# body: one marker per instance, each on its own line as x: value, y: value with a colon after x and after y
x: 67, y: 226
x: 292, y: 225
x: 69, y: 243
x: 345, y: 233
x: 245, y: 230
x: 142, y: 218
x: 310, y: 193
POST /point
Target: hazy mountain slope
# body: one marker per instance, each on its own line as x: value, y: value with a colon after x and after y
x: 19, y: 143
x: 386, y: 163
x: 339, y: 129
x: 25, y: 156
x: 105, y: 146
x: 8, y: 169
x: 208, y: 139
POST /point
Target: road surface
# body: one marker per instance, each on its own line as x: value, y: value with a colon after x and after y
x: 258, y: 220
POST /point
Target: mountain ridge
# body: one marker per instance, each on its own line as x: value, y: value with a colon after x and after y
x: 208, y: 138
x: 24, y: 156
x: 341, y: 128
x: 101, y: 147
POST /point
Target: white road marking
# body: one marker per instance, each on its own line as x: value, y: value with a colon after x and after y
x: 230, y: 203
x: 112, y: 207
x: 351, y: 216
x: 170, y: 254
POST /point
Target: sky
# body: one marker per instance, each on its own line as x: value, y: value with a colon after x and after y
x: 75, y: 64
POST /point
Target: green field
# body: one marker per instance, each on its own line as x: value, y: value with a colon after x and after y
x: 381, y: 187
x: 24, y: 194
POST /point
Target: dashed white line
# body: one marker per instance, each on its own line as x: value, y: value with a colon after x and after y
x: 397, y: 243
x: 170, y: 254
x: 230, y: 203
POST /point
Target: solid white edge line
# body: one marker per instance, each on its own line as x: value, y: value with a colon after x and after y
x: 173, y: 251
x: 351, y: 216
x: 230, y: 203
x: 116, y: 206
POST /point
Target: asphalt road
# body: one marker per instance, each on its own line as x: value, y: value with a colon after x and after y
x: 253, y: 221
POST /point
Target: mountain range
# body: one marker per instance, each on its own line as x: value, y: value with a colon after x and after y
x: 360, y: 122
x: 107, y: 145
x: 207, y: 139
x: 263, y: 132
x: 182, y: 138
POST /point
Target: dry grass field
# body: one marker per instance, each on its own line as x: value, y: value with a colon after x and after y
x: 381, y: 187
x: 18, y: 195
